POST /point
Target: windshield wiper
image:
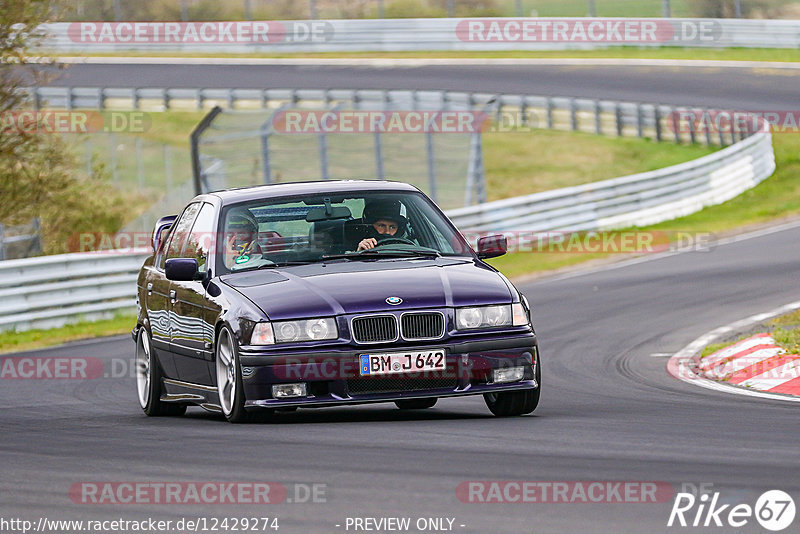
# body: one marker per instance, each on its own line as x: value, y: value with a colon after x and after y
x: 375, y: 254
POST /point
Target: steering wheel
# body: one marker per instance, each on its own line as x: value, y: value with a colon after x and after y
x: 395, y: 241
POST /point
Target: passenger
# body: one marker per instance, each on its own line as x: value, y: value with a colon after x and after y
x: 241, y: 230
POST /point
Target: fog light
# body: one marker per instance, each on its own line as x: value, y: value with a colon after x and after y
x: 508, y: 374
x: 285, y: 391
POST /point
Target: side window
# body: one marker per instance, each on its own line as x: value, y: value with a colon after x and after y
x: 180, y: 232
x: 201, y: 239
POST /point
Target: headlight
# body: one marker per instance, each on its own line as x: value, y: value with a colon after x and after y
x: 484, y: 316
x: 307, y: 330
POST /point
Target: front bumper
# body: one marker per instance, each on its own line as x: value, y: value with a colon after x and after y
x: 333, y: 377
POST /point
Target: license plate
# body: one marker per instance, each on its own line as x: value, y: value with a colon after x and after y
x: 402, y: 362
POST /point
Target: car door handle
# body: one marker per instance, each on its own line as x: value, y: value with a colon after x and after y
x: 149, y: 289
x: 173, y: 296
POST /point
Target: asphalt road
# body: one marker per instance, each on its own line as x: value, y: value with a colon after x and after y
x: 757, y: 89
x: 609, y: 410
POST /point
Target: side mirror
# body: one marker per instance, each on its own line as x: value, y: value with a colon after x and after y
x: 181, y: 269
x: 162, y: 225
x: 492, y: 246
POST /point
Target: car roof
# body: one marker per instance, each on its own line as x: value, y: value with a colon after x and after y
x: 244, y: 194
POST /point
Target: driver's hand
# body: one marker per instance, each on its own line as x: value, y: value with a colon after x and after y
x: 367, y: 243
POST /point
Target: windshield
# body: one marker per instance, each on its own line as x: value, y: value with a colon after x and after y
x: 351, y: 226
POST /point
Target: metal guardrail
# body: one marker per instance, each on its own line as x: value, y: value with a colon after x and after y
x: 20, y: 241
x: 434, y: 34
x: 48, y: 291
x: 636, y: 200
x: 513, y: 112
x: 43, y: 292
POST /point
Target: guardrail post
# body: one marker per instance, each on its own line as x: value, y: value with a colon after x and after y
x: 36, y: 238
x: 639, y: 121
x: 323, y: 155
x: 200, y: 100
x: 264, y: 98
x: 657, y: 118
x: 618, y: 116
x: 265, y: 161
x: 548, y: 105
x: 692, y: 132
x: 165, y: 97
x: 101, y: 98
x: 573, y: 115
x: 135, y: 98
x: 706, y: 113
x: 431, y: 165
x: 230, y: 98
x: 598, y: 118
x: 69, y: 98
x: 675, y: 118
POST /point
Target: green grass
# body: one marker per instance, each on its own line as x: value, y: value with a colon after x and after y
x: 36, y: 339
x: 789, y: 340
x: 624, y: 52
x: 714, y: 347
x: 519, y: 163
x: 791, y: 319
x: 774, y: 198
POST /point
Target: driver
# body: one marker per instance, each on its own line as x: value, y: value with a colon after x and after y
x: 384, y: 219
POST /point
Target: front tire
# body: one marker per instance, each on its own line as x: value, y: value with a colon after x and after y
x: 148, y: 379
x: 514, y: 403
x: 229, y: 378
x: 416, y: 404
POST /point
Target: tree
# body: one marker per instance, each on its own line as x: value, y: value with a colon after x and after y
x: 39, y: 176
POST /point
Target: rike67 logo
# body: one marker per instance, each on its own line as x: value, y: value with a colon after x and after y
x: 774, y: 510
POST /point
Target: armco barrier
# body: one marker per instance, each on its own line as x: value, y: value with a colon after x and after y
x: 42, y: 292
x: 437, y: 34
x: 639, y: 199
x: 52, y: 290
x: 602, y: 117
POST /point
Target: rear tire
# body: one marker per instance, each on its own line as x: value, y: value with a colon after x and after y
x: 148, y: 380
x: 416, y: 404
x: 514, y: 403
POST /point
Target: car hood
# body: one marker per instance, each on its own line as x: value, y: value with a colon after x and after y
x: 319, y: 290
